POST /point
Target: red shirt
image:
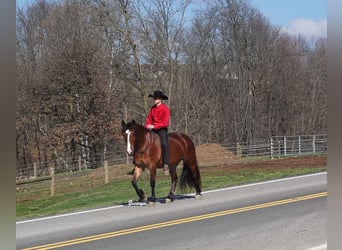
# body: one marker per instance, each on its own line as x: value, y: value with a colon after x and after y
x: 158, y: 116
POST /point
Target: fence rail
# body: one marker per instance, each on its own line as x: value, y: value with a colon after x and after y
x: 282, y: 146
x: 297, y: 145
x: 276, y: 146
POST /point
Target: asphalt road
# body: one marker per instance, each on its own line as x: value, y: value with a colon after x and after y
x: 283, y: 214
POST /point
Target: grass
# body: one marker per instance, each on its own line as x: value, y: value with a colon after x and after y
x: 86, y: 190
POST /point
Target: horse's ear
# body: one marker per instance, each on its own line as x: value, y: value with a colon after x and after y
x: 123, y: 123
x: 133, y: 122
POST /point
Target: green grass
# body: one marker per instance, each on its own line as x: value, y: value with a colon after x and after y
x: 92, y: 193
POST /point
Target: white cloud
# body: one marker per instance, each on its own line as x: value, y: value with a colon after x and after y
x: 308, y: 28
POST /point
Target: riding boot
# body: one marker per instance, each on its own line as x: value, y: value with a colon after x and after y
x: 166, y: 169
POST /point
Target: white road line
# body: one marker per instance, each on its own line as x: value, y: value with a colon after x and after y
x: 264, y: 182
x: 320, y: 247
x: 205, y: 192
x: 69, y: 214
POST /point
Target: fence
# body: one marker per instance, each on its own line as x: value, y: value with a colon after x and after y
x: 33, y: 183
x: 297, y: 145
x: 282, y: 146
x: 276, y: 146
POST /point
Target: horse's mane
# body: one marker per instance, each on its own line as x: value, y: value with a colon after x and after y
x: 140, y: 126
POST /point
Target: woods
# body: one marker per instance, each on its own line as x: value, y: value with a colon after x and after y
x: 231, y: 76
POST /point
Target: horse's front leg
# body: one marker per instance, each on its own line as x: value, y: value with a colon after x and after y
x: 137, y: 173
x: 174, y: 180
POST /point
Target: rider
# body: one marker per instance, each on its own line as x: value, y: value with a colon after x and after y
x: 158, y: 120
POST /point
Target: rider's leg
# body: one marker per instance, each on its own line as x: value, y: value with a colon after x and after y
x: 165, y: 149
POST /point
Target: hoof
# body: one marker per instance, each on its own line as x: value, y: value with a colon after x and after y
x: 143, y: 199
x: 151, y: 204
x: 168, y: 200
x: 198, y: 196
x: 151, y: 199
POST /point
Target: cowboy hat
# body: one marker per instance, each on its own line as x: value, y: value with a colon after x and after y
x: 158, y: 94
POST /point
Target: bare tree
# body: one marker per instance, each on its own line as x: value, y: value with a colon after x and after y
x: 230, y: 75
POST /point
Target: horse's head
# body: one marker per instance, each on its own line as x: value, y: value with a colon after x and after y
x: 128, y: 132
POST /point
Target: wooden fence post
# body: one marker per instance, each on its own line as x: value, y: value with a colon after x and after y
x: 127, y: 159
x: 238, y: 150
x: 106, y: 171
x: 271, y: 147
x: 79, y: 163
x: 52, y: 183
x: 314, y: 144
x: 35, y: 170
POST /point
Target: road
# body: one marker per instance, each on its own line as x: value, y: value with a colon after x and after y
x: 282, y: 214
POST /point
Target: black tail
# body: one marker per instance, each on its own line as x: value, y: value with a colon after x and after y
x: 189, y: 179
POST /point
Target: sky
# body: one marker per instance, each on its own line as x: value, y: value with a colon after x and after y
x: 305, y: 17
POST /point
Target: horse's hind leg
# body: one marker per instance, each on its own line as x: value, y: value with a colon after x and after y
x: 174, y: 180
x: 137, y: 173
x: 197, y: 180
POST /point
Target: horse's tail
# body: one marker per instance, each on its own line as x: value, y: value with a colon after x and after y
x: 187, y: 178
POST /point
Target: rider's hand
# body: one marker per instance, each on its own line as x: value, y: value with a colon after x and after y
x: 150, y: 126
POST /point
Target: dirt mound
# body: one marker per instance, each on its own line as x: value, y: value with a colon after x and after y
x: 211, y: 154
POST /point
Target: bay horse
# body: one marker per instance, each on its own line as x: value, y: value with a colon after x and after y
x: 145, y: 147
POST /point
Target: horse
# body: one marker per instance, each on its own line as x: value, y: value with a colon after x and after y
x: 145, y: 146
